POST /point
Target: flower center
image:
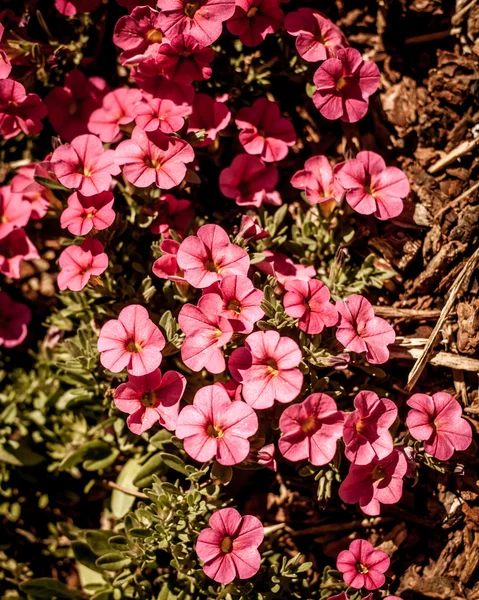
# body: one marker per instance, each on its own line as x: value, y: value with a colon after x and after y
x: 3, y: 219
x: 360, y: 568
x: 227, y: 545
x: 378, y: 473
x: 253, y: 11
x: 272, y: 366
x: 191, y: 8
x: 311, y: 425
x: 360, y: 426
x: 235, y: 306
x: 73, y: 108
x: 154, y: 36
x: 149, y: 399
x: 214, y: 431
x: 341, y: 83
x: 210, y: 266
x: 89, y: 215
x: 133, y: 346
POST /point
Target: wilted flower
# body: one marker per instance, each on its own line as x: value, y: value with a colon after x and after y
x: 166, y: 267
x: 14, y: 248
x: 14, y: 318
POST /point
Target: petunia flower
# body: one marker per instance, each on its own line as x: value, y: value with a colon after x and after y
x: 215, y: 427
x: 372, y: 187
x: 344, y: 84
x: 37, y: 195
x: 318, y: 181
x: 283, y: 268
x: 5, y: 64
x: 149, y: 78
x: 136, y: 33
x: 84, y: 165
x: 250, y: 231
x: 131, y: 4
x: 437, y: 421
x: 118, y: 108
x: 379, y: 482
x: 184, y: 60
x: 208, y: 115
x: 166, y: 267
x: 232, y: 388
x: 264, y: 131
x: 79, y: 263
x: 150, y: 399
x: 162, y: 114
x: 15, y: 248
x: 14, y: 211
x: 359, y: 330
x: 153, y: 157
x: 132, y: 341
x: 265, y: 457
x: 69, y: 8
x: 19, y: 111
x: 309, y: 301
x: 14, y: 318
x: 253, y: 20
x: 250, y: 181
x: 366, y: 429
x: 311, y: 430
x: 363, y: 566
x: 267, y: 366
x: 87, y: 212
x: 172, y: 215
x: 229, y: 547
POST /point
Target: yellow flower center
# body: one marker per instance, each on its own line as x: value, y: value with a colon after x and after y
x: 214, y: 431
x: 227, y: 545
x: 235, y: 306
x: 149, y: 399
x: 133, y: 346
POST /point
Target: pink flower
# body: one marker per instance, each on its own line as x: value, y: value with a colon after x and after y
x: 173, y: 215
x: 161, y: 114
x: 14, y: 248
x: 131, y: 4
x: 264, y: 131
x: 184, y: 60
x: 317, y: 38
x: 308, y: 301
x: 14, y: 211
x: 87, y: 212
x: 311, y: 430
x: 79, y: 263
x: 136, y: 33
x: 265, y: 457
x: 267, y: 368
x: 118, y: 108
x: 360, y: 331
x: 84, y: 165
x: 366, y: 429
x: 282, y: 267
x: 210, y: 115
x: 5, y: 64
x: 37, y: 195
x: 250, y: 231
x: 154, y: 157
x: 379, y: 482
x: 373, y: 188
x: 344, y: 84
x: 250, y: 181
x: 166, y: 267
x: 69, y: 8
x: 318, y: 181
x: 437, y: 420
x: 150, y: 399
x: 19, y: 111
x: 363, y: 566
x: 203, y: 19
x: 253, y: 20
x: 240, y: 302
x: 206, y: 333
x: 14, y: 318
x: 149, y: 78
x: 209, y: 256
x: 132, y: 341
x: 215, y: 427
x: 230, y: 546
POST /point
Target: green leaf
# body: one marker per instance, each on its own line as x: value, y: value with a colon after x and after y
x: 20, y: 457
x: 114, y: 561
x: 155, y: 465
x: 160, y: 438
x: 50, y: 184
x: 256, y: 257
x: 94, y: 450
x: 174, y: 462
x: 85, y: 555
x: 224, y: 474
x: 95, y: 464
x: 45, y: 587
x: 121, y: 503
x: 98, y: 541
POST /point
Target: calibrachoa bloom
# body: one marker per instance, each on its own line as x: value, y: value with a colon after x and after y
x: 87, y: 212
x: 14, y: 248
x: 250, y: 231
x: 283, y: 268
x: 253, y: 20
x: 215, y: 427
x: 136, y: 33
x: 318, y: 181
x: 208, y: 115
x: 184, y: 60
x: 150, y: 399
x: 14, y: 318
x: 264, y: 131
x: 209, y: 256
x: 379, y: 482
x: 267, y: 367
x: 311, y: 430
x: 366, y: 429
x: 309, y: 302
x: 153, y: 157
x: 363, y: 566
x: 373, y: 188
x: 24, y: 183
x: 437, y: 421
x: 162, y: 114
x: 229, y: 547
x: 344, y: 84
x: 14, y: 211
x: 79, y: 263
x: 265, y: 457
x: 166, y: 267
x: 149, y: 78
x: 173, y: 215
x: 118, y: 108
x: 19, y: 111
x: 5, y: 64
x: 69, y: 8
x: 84, y: 165
x: 132, y: 341
x: 360, y: 331
x: 250, y: 181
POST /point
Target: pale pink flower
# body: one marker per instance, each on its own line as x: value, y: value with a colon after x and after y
x: 229, y: 547
x: 250, y: 181
x: 162, y: 114
x: 19, y: 111
x: 79, y: 263
x: 253, y: 20
x: 172, y: 215
x: 14, y: 248
x: 209, y: 115
x: 318, y: 181
x: 132, y: 341
x: 184, y: 60
x: 14, y: 211
x: 265, y: 457
x: 87, y: 212
x: 23, y: 183
x: 283, y: 268
x: 309, y: 301
x: 136, y: 33
x: 118, y: 108
x: 363, y: 566
x: 166, y: 267
x: 14, y: 318
x: 250, y: 231
x: 69, y: 8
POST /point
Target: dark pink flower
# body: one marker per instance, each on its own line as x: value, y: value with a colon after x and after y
x: 215, y: 427
x: 19, y: 111
x: 366, y: 429
x: 154, y: 157
x: 14, y: 211
x: 150, y: 399
x: 172, y: 215
x: 309, y: 302
x: 379, y: 482
x: 149, y: 78
x: 253, y: 20
x: 373, y: 188
x: 360, y: 331
x: 209, y: 256
x: 282, y: 267
x: 344, y: 84
x: 264, y: 131
x: 184, y: 60
x: 250, y: 231
x: 136, y: 33
x: 317, y: 37
x: 230, y: 546
x: 79, y: 263
x: 87, y: 212
x: 5, y: 64
x: 69, y: 8
x: 84, y: 165
x: 311, y: 430
x: 232, y: 388
x: 165, y: 115
x: 132, y: 4
x: 203, y: 19
x: 23, y: 183
x: 14, y: 318
x: 265, y: 457
x: 318, y: 181
x: 208, y: 115
x: 132, y: 341
x: 14, y: 248
x: 363, y: 566
x: 250, y: 181
x: 118, y: 108
x: 437, y: 421
x: 267, y: 367
x: 166, y: 267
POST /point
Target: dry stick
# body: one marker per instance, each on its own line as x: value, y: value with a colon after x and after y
x: 457, y: 200
x: 459, y: 151
x: 391, y: 312
x: 428, y: 37
x: 456, y: 19
x: 115, y: 486
x: 456, y: 287
x: 438, y: 359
